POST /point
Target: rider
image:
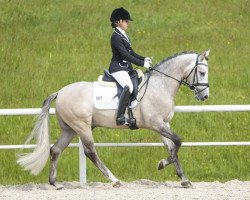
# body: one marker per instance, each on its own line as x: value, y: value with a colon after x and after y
x: 123, y: 56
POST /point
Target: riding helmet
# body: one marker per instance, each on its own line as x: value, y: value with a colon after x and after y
x: 120, y: 13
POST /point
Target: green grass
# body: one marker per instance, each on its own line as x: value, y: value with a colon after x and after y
x: 45, y: 45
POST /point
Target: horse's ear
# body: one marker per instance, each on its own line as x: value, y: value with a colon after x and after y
x: 207, y: 53
x: 204, y: 55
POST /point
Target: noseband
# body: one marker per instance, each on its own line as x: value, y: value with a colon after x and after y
x: 194, y: 85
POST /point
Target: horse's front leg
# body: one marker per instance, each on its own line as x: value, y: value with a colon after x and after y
x: 173, y: 143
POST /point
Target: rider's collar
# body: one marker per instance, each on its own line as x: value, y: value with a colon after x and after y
x: 123, y: 33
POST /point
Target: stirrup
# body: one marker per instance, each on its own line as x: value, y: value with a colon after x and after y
x: 131, y: 120
x: 132, y: 123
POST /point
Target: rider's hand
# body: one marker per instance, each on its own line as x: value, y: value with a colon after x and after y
x: 147, y: 64
x: 148, y: 59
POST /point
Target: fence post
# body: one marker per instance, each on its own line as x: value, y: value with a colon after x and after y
x: 82, y: 164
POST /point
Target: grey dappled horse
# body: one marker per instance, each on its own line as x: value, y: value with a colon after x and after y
x: 78, y: 116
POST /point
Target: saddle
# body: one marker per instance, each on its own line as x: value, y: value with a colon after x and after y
x: 136, y: 77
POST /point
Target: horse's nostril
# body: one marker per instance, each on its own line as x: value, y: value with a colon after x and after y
x: 205, y: 97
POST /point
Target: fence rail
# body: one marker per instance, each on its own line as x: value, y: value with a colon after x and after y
x: 184, y: 144
x: 82, y: 158
x: 208, y: 108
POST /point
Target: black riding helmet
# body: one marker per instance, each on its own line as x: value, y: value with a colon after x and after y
x: 120, y: 13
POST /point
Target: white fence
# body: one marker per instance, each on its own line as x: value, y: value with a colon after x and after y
x: 82, y: 158
x: 209, y: 108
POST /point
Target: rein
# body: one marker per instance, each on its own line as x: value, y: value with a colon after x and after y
x: 184, y: 82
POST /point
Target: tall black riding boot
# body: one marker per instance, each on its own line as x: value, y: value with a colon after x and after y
x: 123, y: 102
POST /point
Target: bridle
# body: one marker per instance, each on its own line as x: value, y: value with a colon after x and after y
x: 184, y: 82
x: 192, y: 86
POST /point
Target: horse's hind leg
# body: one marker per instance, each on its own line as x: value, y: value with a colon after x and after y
x: 173, y: 146
x: 67, y: 134
x: 90, y: 152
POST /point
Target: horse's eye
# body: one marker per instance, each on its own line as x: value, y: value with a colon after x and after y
x: 202, y: 73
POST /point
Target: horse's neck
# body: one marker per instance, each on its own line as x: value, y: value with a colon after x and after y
x: 176, y: 68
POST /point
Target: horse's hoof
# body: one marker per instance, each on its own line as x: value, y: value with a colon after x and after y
x: 59, y: 187
x: 186, y: 184
x: 116, y: 184
x: 161, y: 165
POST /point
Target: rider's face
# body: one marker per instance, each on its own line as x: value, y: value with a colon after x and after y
x: 123, y: 24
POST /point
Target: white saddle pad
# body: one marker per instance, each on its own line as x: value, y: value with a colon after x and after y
x: 105, y: 97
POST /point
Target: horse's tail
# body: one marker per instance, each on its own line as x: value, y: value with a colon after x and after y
x: 36, y: 160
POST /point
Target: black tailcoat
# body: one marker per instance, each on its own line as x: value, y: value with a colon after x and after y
x: 123, y: 54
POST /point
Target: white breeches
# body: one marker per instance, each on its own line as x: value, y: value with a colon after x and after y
x: 122, y: 77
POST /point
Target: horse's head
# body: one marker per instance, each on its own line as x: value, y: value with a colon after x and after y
x: 197, y: 78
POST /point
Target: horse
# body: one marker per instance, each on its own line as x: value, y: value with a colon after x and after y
x: 77, y: 115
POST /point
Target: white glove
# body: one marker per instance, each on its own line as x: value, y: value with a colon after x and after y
x: 148, y: 59
x: 147, y: 63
